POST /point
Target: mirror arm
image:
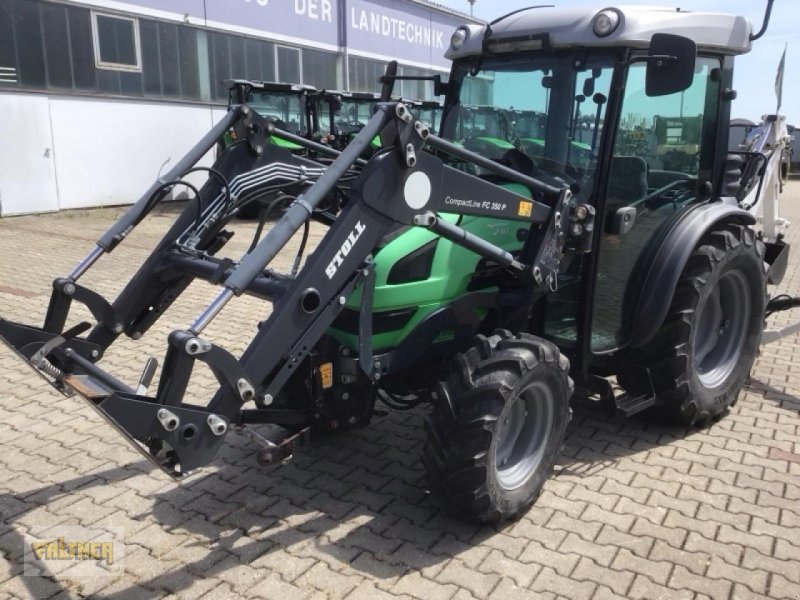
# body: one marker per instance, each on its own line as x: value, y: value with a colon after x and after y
x: 440, y: 88
x: 765, y: 24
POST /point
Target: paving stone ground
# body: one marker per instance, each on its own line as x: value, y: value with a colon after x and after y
x: 636, y: 509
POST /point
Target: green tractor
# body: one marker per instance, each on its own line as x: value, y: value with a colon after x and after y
x: 495, y: 287
x: 428, y: 111
x: 343, y: 114
x: 291, y: 106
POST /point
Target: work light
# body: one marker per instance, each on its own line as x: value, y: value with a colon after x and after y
x: 459, y: 38
x: 605, y: 22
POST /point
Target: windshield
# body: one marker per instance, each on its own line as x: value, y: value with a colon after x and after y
x: 350, y: 115
x: 431, y: 116
x: 287, y: 110
x: 541, y: 115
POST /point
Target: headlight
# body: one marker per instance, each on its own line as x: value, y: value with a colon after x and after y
x: 459, y: 37
x: 605, y: 22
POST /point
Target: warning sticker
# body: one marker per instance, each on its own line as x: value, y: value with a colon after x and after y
x: 326, y: 375
x: 525, y: 208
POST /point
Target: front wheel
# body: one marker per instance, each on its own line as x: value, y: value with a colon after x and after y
x: 497, y: 426
x: 703, y: 354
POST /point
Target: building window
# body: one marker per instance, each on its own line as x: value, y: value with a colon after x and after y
x: 365, y: 74
x: 320, y: 69
x: 288, y: 61
x: 116, y: 42
x: 414, y: 90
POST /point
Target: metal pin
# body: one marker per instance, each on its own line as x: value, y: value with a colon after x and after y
x: 168, y: 419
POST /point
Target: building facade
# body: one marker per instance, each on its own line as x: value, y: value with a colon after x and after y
x: 96, y: 96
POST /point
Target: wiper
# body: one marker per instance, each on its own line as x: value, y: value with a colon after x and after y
x: 487, y: 34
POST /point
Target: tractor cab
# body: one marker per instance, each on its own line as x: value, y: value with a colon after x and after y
x: 290, y: 105
x: 427, y: 111
x: 343, y: 114
x: 624, y: 108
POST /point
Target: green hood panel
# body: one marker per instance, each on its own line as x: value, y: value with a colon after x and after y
x: 273, y: 139
x: 451, y: 271
x: 499, y: 142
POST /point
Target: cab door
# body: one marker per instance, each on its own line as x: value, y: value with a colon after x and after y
x: 662, y: 162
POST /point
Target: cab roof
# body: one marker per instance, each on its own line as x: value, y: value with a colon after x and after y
x: 270, y: 86
x: 563, y: 28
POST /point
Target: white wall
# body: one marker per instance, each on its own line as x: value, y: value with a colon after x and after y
x: 27, y: 164
x: 102, y: 151
x: 111, y: 151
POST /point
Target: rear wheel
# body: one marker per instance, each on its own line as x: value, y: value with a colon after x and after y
x: 497, y: 426
x: 703, y: 354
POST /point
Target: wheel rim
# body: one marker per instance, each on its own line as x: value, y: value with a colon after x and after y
x: 522, y: 435
x: 722, y: 329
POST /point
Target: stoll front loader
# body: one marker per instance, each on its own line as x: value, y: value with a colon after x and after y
x: 493, y: 290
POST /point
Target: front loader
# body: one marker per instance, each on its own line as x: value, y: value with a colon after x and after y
x: 494, y: 289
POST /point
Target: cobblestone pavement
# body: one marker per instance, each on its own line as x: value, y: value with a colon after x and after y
x: 636, y: 509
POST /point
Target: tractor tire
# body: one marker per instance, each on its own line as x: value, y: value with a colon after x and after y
x: 497, y: 426
x: 702, y: 355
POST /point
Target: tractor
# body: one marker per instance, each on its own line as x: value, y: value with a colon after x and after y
x: 494, y: 290
x: 344, y: 114
x: 290, y: 106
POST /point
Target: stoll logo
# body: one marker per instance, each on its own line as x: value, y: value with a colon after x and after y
x: 348, y: 244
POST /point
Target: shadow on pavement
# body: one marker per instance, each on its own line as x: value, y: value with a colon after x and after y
x: 356, y: 499
x: 779, y: 397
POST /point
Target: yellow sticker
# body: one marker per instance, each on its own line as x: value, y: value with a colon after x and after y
x: 525, y: 208
x: 326, y: 375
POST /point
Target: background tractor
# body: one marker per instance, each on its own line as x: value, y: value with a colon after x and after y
x: 495, y: 288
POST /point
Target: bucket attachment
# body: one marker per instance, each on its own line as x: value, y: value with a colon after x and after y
x: 177, y: 439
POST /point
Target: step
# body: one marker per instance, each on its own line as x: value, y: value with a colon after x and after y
x: 628, y: 405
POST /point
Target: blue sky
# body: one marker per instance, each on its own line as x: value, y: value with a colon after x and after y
x: 754, y: 73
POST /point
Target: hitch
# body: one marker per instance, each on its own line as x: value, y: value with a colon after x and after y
x: 272, y: 453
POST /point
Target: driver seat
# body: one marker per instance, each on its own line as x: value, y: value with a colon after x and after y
x: 627, y: 184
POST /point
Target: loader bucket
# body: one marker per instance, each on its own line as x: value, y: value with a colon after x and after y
x: 176, y: 448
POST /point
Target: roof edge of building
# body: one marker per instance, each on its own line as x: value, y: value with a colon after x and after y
x: 447, y: 10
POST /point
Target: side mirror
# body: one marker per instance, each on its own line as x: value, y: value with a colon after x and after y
x: 670, y: 64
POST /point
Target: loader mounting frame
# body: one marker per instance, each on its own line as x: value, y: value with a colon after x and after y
x: 402, y: 185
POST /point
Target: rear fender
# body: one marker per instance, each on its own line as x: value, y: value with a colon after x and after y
x: 658, y: 275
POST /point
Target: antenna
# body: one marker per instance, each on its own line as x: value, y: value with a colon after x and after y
x: 472, y: 7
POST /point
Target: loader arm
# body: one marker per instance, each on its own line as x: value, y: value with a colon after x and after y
x: 402, y: 185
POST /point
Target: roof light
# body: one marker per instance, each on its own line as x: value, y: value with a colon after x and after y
x: 606, y: 22
x: 459, y: 38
